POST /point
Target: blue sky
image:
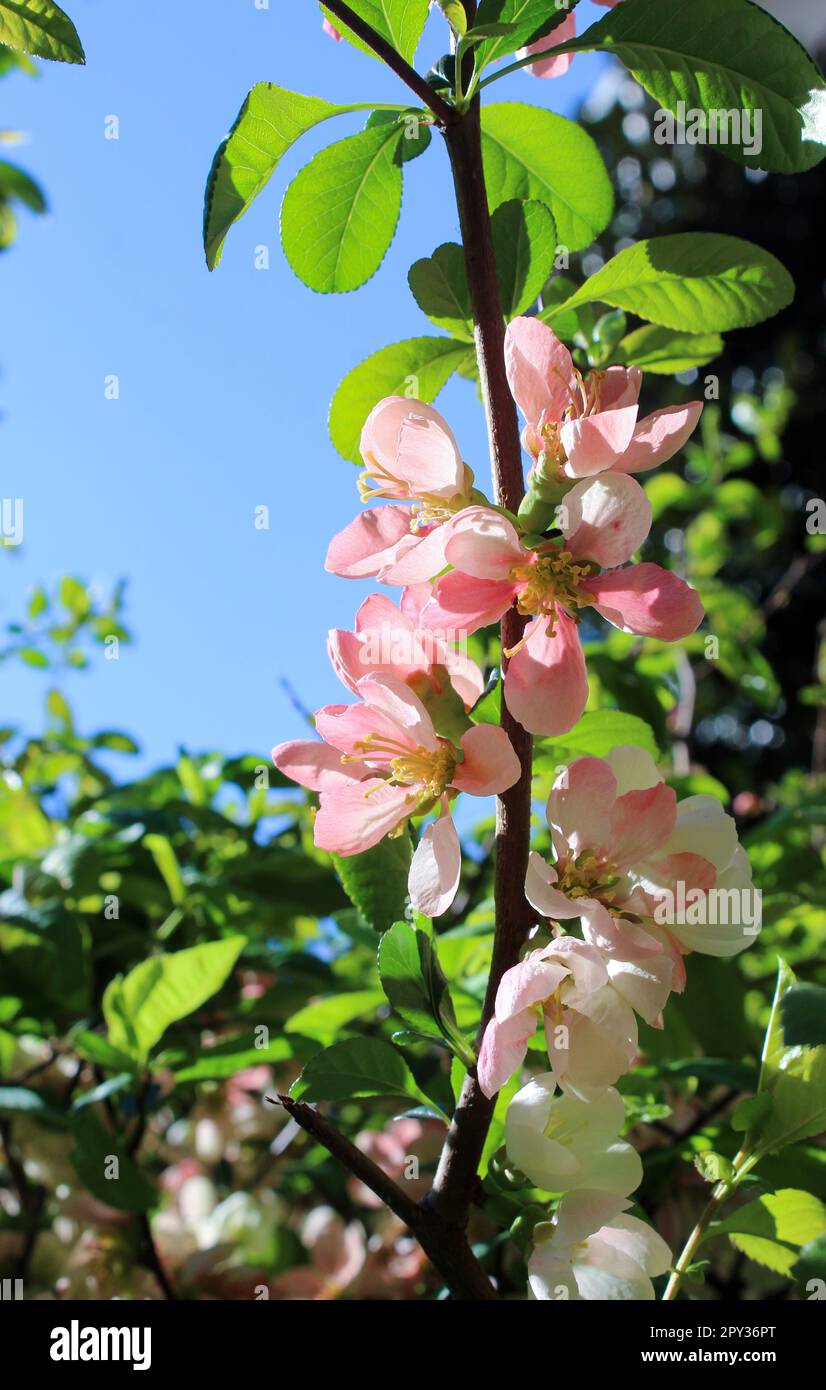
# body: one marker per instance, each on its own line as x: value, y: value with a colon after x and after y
x: 225, y: 379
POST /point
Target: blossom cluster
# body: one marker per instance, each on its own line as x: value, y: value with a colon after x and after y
x: 409, y: 745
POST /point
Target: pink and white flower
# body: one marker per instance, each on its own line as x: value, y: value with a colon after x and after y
x: 586, y: 1004
x: 594, y: 1251
x: 563, y: 1143
x: 412, y: 459
x: 389, y: 640
x: 578, y: 426
x: 621, y: 843
x: 546, y: 685
x: 382, y: 762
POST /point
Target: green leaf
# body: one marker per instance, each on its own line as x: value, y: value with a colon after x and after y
x: 534, y: 154
x: 323, y: 1019
x: 525, y: 20
x: 524, y: 239
x: 594, y: 735
x: 678, y: 281
x: 399, y: 21
x: 167, y: 864
x: 355, y: 1068
x: 416, y: 987
x: 140, y: 1006
x: 795, y: 1079
x: 803, y: 1013
x: 661, y: 350
x: 439, y: 286
x: 15, y: 183
x: 340, y: 212
x: 94, y: 1048
x: 376, y: 881
x: 771, y: 1229
x: 722, y: 56
x: 38, y: 26
x: 269, y: 122
x: 217, y: 1063
x: 415, y: 367
x: 416, y: 134
x: 97, y: 1153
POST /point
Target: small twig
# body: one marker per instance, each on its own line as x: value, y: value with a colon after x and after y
x: 444, y: 114
x: 446, y: 1248
x: 31, y: 1197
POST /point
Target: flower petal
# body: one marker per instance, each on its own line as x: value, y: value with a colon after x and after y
x: 316, y: 765
x: 461, y: 604
x: 595, y: 442
x: 428, y: 454
x: 605, y: 520
x: 483, y: 543
x: 551, y: 67
x: 542, y: 895
x: 503, y: 1050
x: 580, y: 806
x: 370, y: 542
x: 659, y: 437
x: 641, y: 823
x: 648, y: 600
x: 490, y: 765
x: 353, y: 819
x: 546, y: 683
x: 417, y: 560
x: 529, y: 982
x: 540, y: 370
x: 435, y: 868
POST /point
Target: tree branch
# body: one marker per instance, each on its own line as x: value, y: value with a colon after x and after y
x: 453, y: 1258
x: 441, y: 110
x: 456, y: 1174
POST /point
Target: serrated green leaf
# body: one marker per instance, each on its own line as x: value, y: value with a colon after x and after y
x: 340, y: 212
x: 376, y: 881
x: 789, y: 1215
x: 661, y: 350
x: 415, y: 367
x: 399, y: 21
x: 140, y: 1006
x: 721, y: 56
x: 679, y: 280
x: 40, y: 27
x: 811, y: 1264
x: 536, y: 155
x: 269, y: 122
x: 355, y: 1068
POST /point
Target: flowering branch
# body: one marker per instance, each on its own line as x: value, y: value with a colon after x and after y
x: 444, y: 114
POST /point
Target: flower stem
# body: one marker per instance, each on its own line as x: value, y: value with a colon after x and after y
x: 720, y: 1194
x: 456, y: 1175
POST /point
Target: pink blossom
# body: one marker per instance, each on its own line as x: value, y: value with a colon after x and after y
x: 594, y: 1251
x: 546, y: 684
x: 382, y: 762
x: 332, y: 32
x: 388, y: 639
x: 621, y: 843
x: 579, y: 426
x: 411, y: 458
x: 586, y: 1008
x: 555, y: 66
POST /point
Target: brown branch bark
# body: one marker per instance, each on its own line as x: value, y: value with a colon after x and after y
x: 384, y: 50
x: 456, y: 1174
x: 453, y: 1258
